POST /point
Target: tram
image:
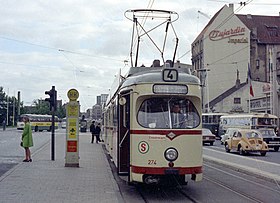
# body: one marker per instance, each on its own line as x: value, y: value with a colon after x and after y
x: 152, y: 124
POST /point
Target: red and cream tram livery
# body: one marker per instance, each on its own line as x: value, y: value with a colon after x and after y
x: 152, y: 125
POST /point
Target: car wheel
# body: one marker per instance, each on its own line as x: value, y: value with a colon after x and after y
x: 241, y: 151
x: 211, y: 143
x: 227, y: 147
x: 276, y: 149
x: 263, y: 153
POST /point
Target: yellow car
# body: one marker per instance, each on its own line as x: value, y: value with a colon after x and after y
x: 246, y: 140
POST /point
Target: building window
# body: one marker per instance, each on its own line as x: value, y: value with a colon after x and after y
x: 237, y: 100
x: 258, y: 63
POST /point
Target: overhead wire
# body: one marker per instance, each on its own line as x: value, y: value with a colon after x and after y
x: 29, y: 43
x: 75, y: 75
x: 58, y: 49
x: 228, y: 55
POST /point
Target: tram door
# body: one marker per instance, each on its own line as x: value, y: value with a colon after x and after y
x: 123, y: 134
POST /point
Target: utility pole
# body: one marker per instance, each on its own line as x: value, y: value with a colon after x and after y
x: 273, y: 83
x: 18, y: 106
x: 7, y: 123
x: 203, y: 76
x: 14, y: 110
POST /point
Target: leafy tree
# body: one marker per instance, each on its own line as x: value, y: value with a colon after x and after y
x: 3, y: 105
x: 61, y: 112
x: 43, y: 107
x: 39, y: 106
x: 11, y: 102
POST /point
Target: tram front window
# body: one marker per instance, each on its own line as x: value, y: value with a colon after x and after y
x: 168, y: 113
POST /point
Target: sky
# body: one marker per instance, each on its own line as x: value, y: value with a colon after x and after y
x: 83, y: 44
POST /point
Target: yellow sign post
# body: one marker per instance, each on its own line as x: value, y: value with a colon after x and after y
x: 72, y: 129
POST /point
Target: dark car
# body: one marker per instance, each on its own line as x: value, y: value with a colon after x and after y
x: 83, y: 126
x: 208, y: 136
x: 271, y: 139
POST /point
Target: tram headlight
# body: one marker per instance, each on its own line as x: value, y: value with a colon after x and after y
x: 171, y: 154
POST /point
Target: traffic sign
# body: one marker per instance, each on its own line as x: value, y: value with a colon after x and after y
x: 72, y: 131
x: 73, y: 94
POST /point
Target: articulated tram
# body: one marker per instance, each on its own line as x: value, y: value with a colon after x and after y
x: 152, y: 125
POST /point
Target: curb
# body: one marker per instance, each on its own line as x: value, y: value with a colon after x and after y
x: 244, y: 169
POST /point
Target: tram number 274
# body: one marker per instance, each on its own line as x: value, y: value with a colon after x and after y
x: 152, y: 162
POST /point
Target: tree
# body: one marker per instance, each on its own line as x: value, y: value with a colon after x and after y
x: 3, y: 105
x: 61, y: 112
x: 40, y: 106
x: 11, y: 102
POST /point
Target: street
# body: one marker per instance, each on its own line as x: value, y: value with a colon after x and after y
x: 11, y: 153
x: 271, y: 156
x: 220, y: 183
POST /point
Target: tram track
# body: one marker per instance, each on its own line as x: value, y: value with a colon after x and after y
x: 223, y: 182
x: 231, y: 189
x: 185, y: 194
x: 188, y: 196
x: 238, y: 191
x: 164, y: 194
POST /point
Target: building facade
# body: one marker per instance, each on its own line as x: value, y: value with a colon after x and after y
x: 230, y: 44
x: 96, y: 111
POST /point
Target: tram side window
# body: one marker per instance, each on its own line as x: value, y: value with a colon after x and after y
x: 115, y: 116
x: 158, y: 113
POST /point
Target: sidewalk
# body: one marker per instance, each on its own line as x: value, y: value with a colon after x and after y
x: 44, y: 180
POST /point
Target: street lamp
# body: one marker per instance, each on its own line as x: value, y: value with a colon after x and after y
x: 204, y: 79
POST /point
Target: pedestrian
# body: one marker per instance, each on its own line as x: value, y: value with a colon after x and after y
x: 101, y: 133
x: 92, y: 130
x: 4, y: 124
x: 98, y: 130
x: 27, y: 140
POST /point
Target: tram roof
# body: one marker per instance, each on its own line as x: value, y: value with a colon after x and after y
x: 141, y: 75
x: 138, y: 75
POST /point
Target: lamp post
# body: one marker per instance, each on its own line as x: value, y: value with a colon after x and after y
x: 204, y: 83
x: 7, y: 120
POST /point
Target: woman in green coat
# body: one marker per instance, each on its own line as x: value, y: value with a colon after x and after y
x: 27, y: 140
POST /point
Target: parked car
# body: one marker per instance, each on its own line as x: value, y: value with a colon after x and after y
x: 63, y: 123
x: 271, y: 139
x: 227, y: 135
x: 208, y: 136
x: 245, y: 141
x: 83, y: 125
